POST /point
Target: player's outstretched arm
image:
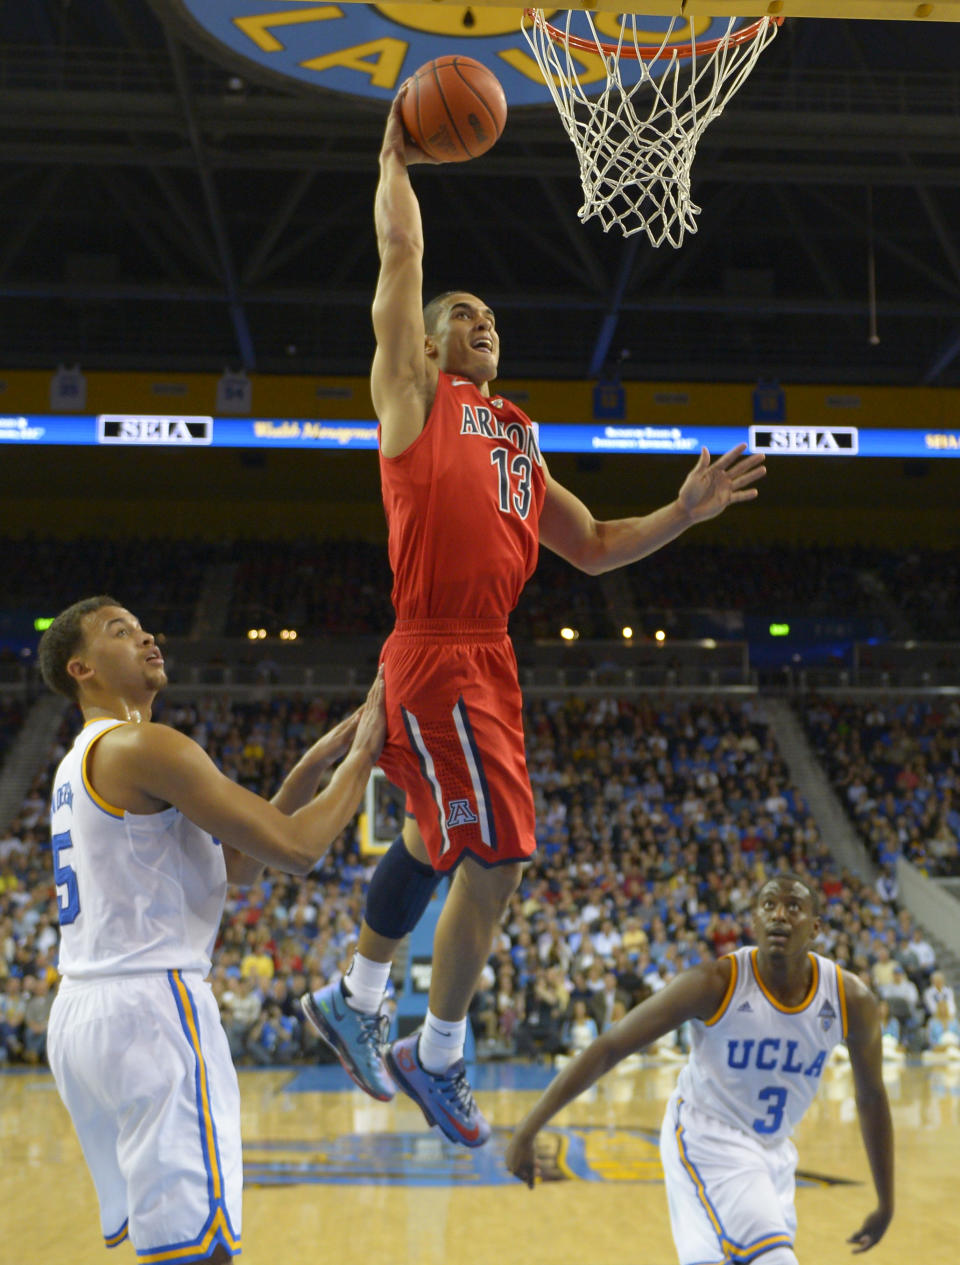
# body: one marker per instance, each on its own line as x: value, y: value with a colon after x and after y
x: 301, y: 783
x: 696, y: 993
x: 167, y: 767
x: 865, y: 1043
x: 570, y: 530
x: 297, y: 789
x: 401, y: 378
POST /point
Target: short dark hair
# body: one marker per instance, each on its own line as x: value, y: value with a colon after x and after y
x: 434, y: 310
x: 790, y: 876
x: 63, y: 639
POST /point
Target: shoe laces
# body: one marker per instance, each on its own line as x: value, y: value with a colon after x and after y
x: 456, y: 1089
x: 374, y: 1030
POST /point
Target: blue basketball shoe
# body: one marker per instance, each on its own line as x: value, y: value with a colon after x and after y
x: 446, y: 1100
x: 357, y: 1039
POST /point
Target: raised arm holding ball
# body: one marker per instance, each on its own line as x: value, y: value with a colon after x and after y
x: 468, y: 499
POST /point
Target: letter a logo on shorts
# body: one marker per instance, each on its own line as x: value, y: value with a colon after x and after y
x: 461, y: 814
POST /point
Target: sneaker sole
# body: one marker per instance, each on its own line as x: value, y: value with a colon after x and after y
x: 447, y: 1131
x: 331, y: 1038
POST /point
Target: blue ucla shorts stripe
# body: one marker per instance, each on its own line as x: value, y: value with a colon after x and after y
x: 115, y: 1239
x: 217, y: 1226
x: 742, y: 1253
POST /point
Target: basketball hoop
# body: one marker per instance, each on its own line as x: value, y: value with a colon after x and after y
x: 636, y: 138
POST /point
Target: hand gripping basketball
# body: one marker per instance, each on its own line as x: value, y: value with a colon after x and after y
x: 454, y: 109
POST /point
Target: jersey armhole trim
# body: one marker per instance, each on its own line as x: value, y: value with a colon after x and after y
x: 110, y: 809
x: 727, y: 996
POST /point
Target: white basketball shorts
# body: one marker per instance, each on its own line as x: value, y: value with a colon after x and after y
x: 143, y: 1066
x: 730, y: 1198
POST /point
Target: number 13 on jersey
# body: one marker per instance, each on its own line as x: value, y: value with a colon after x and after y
x: 513, y: 497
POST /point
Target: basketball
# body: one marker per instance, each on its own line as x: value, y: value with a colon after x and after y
x: 454, y: 109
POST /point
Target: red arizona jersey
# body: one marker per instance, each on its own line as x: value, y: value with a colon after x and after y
x: 463, y: 507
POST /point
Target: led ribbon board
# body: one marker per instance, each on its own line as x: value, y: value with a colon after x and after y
x: 172, y: 431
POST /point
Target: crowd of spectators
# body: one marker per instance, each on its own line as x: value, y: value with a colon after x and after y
x: 11, y: 720
x: 926, y: 587
x: 319, y: 587
x: 160, y: 580
x: 656, y: 821
x: 896, y: 764
x: 328, y: 587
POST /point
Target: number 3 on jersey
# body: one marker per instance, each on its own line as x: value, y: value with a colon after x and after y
x: 520, y: 468
x: 64, y: 876
x: 772, y: 1121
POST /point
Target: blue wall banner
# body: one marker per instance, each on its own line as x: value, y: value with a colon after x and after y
x: 368, y: 50
x: 173, y: 431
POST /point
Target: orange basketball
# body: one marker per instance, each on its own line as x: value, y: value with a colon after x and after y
x: 454, y: 109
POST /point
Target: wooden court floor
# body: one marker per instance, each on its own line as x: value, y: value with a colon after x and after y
x: 332, y: 1176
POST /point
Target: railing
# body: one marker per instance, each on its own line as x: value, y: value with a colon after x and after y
x: 344, y: 666
x: 39, y: 67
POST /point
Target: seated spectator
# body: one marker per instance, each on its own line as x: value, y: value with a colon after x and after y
x: 903, y: 1000
x: 893, y: 1048
x: 258, y: 963
x: 918, y: 956
x: 888, y: 889
x: 943, y: 1032
x: 606, y: 941
x: 538, y: 1033
x: 608, y: 998
x: 901, y: 987
x: 274, y: 1037
x: 882, y: 971
x: 939, y: 991
x: 580, y: 1030
x: 36, y: 1016
x: 509, y: 1005
x: 483, y: 1008
x: 13, y: 1005
x: 241, y: 1005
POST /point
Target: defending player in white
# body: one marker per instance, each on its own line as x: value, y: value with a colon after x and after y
x: 146, y: 834
x: 763, y: 1023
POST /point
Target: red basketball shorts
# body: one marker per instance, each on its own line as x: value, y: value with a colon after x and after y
x: 455, y: 739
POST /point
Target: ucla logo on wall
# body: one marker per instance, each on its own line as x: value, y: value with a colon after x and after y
x: 369, y: 49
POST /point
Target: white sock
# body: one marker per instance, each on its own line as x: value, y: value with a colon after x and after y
x: 441, y: 1042
x: 364, y: 984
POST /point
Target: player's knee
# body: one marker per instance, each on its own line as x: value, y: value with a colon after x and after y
x: 778, y: 1256
x: 399, y: 892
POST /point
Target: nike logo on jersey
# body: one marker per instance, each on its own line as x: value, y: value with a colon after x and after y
x: 460, y: 382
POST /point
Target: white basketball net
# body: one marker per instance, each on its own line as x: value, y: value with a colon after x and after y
x: 636, y: 141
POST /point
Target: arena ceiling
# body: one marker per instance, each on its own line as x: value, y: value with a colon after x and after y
x: 159, y: 210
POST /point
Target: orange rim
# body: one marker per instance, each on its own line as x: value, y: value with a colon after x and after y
x: 631, y: 52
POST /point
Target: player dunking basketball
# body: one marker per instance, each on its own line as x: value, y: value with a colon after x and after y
x: 468, y: 499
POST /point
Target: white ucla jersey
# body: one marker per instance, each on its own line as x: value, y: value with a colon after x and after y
x: 136, y: 892
x: 756, y: 1064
